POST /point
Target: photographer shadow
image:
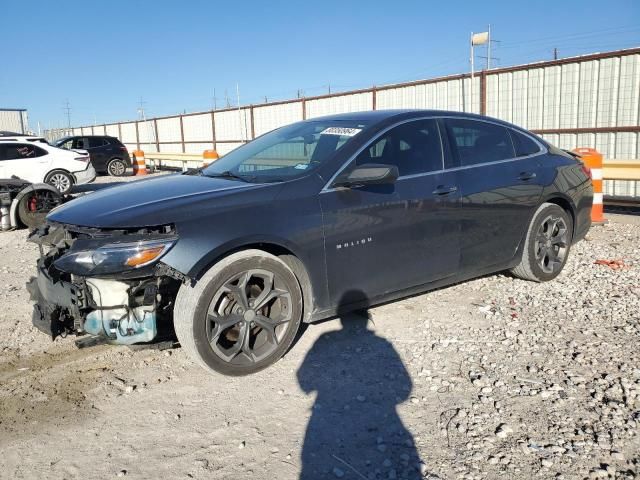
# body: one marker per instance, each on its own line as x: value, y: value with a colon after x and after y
x: 354, y: 430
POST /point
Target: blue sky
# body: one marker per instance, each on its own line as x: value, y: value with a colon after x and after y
x: 104, y: 56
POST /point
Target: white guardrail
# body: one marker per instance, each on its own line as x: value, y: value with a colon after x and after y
x: 172, y: 161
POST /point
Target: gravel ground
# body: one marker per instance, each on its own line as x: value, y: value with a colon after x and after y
x: 491, y: 378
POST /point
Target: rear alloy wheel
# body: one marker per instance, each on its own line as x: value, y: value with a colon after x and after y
x: 547, y: 244
x: 62, y: 181
x: 116, y: 168
x: 242, y: 316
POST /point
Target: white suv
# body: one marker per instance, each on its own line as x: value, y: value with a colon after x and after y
x: 34, y: 160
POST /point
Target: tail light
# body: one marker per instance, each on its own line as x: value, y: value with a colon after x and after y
x: 82, y: 159
x: 124, y: 149
x: 586, y: 170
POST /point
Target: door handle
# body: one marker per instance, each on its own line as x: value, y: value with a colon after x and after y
x: 442, y: 190
x: 526, y: 176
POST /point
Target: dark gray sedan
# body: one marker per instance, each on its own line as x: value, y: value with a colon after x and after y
x: 309, y: 221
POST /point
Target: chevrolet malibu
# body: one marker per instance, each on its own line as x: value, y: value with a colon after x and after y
x: 307, y: 222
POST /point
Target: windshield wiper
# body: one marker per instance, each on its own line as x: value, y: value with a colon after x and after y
x: 227, y: 174
x: 193, y: 171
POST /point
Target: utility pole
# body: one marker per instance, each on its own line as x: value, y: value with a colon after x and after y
x: 226, y: 97
x: 489, y: 42
x: 489, y: 48
x: 214, y: 100
x: 141, y: 105
x: 555, y: 53
x: 243, y: 131
x: 67, y: 109
x: 471, y: 55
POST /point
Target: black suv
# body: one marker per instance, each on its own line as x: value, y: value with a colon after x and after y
x: 108, y: 154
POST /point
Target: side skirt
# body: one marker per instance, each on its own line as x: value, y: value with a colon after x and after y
x: 410, y: 292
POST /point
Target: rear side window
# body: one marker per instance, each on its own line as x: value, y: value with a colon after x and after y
x: 479, y: 142
x: 523, y: 144
x: 97, y: 142
x: 82, y: 143
x: 414, y: 147
x: 17, y: 151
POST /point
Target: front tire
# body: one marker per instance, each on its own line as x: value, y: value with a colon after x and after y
x: 242, y: 315
x: 34, y: 207
x: 116, y: 168
x: 61, y: 180
x: 547, y: 245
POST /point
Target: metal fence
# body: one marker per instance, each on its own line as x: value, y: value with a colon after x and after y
x: 587, y: 101
x: 14, y: 120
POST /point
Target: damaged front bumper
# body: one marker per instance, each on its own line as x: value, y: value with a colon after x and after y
x: 120, y: 308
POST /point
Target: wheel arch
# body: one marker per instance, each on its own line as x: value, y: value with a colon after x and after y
x: 564, y: 202
x: 557, y: 198
x: 59, y: 169
x: 13, y: 213
x: 278, y: 247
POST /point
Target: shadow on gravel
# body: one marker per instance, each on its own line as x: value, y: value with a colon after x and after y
x: 355, y: 430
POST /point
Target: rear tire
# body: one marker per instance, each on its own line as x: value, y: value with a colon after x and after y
x: 241, y: 316
x: 116, y: 168
x: 547, y: 244
x: 61, y: 180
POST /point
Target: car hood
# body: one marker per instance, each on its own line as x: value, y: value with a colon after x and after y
x: 159, y: 201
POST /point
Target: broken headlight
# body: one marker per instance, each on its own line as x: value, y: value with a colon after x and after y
x: 114, y: 257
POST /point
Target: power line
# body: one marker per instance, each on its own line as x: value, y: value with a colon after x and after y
x: 573, y: 36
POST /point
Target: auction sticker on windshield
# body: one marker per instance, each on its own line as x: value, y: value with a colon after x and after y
x: 342, y: 131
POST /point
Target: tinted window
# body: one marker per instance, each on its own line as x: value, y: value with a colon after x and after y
x: 17, y: 151
x: 97, y: 142
x: 81, y: 143
x: 413, y: 147
x: 68, y: 144
x: 114, y: 141
x: 287, y: 152
x: 479, y: 142
x: 523, y: 144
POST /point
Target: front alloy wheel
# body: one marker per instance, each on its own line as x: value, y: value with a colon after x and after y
x: 242, y: 315
x: 246, y: 320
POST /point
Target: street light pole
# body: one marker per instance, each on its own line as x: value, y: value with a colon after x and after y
x: 471, y: 81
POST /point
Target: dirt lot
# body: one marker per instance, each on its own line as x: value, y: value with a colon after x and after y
x: 492, y: 378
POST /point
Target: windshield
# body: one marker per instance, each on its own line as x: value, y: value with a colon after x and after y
x: 286, y: 153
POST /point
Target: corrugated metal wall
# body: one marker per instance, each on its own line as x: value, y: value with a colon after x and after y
x: 14, y: 120
x: 589, y: 101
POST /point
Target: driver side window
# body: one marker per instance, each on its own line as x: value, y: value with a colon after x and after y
x: 414, y: 147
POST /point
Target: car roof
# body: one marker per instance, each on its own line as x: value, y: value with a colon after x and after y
x: 22, y: 138
x: 375, y: 116
x: 86, y: 136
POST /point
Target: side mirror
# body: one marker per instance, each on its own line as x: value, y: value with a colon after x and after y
x: 369, y: 174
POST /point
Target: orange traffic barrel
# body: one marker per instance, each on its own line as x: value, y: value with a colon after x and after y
x: 139, y: 165
x: 209, y: 156
x: 593, y: 160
